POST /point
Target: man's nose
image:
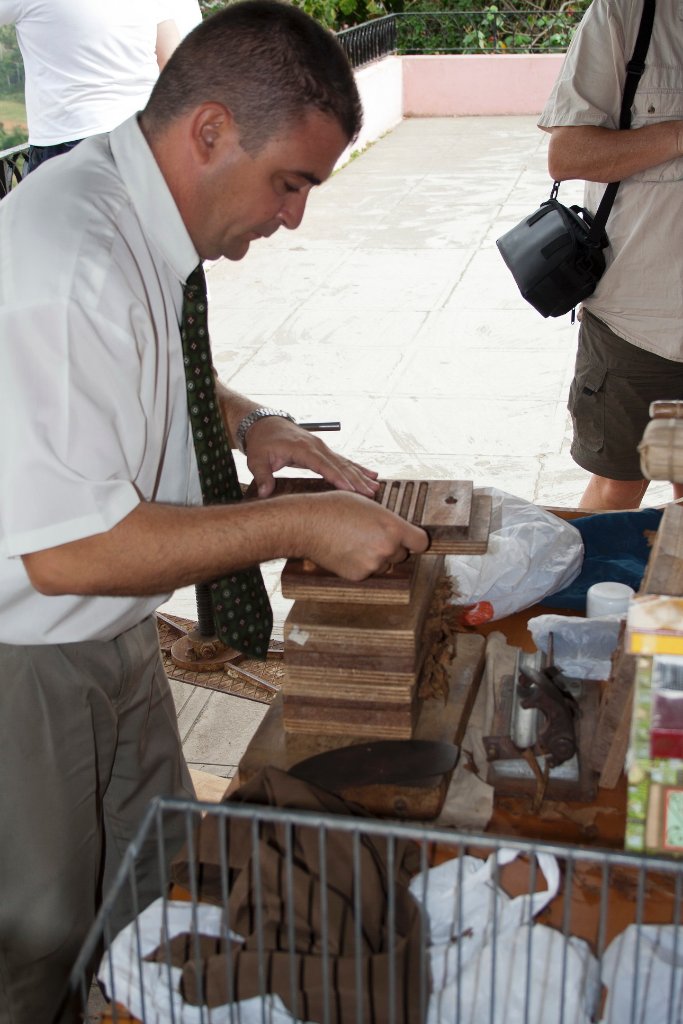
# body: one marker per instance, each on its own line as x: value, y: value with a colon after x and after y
x: 292, y: 211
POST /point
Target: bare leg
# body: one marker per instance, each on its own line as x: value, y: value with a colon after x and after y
x: 603, y: 494
x: 678, y: 491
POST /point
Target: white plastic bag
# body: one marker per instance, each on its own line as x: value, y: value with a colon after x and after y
x: 531, y: 554
x: 582, y: 648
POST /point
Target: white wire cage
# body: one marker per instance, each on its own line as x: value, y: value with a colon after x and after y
x: 274, y: 915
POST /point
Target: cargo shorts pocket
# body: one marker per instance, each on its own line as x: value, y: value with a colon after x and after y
x: 587, y: 407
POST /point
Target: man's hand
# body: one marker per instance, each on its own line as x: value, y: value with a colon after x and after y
x: 354, y: 537
x: 274, y: 442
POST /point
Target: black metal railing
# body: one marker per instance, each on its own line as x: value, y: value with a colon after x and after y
x: 369, y: 41
x: 12, y: 167
x: 444, y: 32
x: 457, y: 32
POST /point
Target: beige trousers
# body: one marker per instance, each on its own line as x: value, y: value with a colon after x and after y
x: 88, y: 735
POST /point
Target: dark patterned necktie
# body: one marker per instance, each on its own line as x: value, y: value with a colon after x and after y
x: 241, y: 609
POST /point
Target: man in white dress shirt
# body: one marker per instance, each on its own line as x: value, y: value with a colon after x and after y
x: 100, y: 506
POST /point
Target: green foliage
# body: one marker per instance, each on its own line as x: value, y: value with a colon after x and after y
x: 11, y: 137
x: 208, y: 7
x: 334, y: 14
x: 457, y: 26
x: 11, y: 63
x: 461, y: 26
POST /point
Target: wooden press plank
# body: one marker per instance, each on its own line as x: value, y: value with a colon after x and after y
x: 339, y: 723
x: 429, y: 503
x: 447, y: 720
x: 444, y: 508
x: 330, y: 683
x: 613, y: 728
x: 378, y: 665
x: 387, y: 676
x: 474, y: 540
x: 437, y: 720
x: 303, y: 580
x: 387, y: 630
x: 664, y: 571
x: 663, y: 575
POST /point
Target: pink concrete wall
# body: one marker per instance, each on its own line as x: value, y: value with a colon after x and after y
x: 451, y: 85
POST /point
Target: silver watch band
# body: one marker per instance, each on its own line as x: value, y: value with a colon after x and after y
x: 251, y: 418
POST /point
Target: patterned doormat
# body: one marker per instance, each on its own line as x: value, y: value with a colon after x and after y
x: 243, y: 677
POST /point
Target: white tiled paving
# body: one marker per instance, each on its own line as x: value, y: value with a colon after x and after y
x: 391, y: 310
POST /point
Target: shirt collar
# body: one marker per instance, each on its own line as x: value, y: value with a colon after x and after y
x: 151, y: 198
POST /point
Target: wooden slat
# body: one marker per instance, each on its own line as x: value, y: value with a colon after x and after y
x: 429, y: 503
x: 474, y: 540
x: 302, y: 580
x: 436, y: 720
x: 664, y: 571
x: 329, y: 683
x: 447, y: 720
x: 444, y: 508
x: 331, y: 629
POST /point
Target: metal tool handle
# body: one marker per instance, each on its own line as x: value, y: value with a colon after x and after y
x: 321, y: 425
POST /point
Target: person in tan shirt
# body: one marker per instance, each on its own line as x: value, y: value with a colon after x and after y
x: 630, y: 346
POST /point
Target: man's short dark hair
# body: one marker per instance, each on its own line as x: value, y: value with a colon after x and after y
x: 268, y: 62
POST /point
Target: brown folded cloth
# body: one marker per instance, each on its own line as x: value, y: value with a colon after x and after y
x: 352, y: 987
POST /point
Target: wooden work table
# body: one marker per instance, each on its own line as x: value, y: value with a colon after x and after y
x: 599, y: 823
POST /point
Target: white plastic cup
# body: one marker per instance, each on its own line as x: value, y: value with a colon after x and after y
x: 608, y: 599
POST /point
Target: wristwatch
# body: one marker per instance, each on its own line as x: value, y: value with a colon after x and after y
x: 251, y: 418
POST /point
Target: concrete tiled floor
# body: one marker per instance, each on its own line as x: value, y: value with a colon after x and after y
x: 391, y: 310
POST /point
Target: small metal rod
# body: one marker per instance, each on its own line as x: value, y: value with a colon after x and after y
x: 321, y: 425
x: 181, y: 630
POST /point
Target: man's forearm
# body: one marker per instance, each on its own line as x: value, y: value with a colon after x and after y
x: 234, y: 407
x: 158, y: 548
x: 599, y: 154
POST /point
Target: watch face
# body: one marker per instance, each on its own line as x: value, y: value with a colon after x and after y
x: 673, y: 820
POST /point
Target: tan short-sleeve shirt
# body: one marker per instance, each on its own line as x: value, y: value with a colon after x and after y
x: 641, y: 294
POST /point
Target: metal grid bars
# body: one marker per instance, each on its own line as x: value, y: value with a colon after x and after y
x: 272, y: 915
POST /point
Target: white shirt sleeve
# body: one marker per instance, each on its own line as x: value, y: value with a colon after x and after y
x: 10, y: 10
x: 69, y: 459
x: 186, y: 14
x: 590, y: 84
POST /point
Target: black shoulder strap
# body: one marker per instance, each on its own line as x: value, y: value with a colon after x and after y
x: 634, y: 70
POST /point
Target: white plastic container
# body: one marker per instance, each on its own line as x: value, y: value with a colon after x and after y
x: 608, y: 599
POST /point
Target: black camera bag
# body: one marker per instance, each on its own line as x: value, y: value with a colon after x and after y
x: 556, y: 254
x: 551, y: 258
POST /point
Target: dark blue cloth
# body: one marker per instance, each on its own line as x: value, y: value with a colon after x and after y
x: 37, y: 155
x: 615, y: 548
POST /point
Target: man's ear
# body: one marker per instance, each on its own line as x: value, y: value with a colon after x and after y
x: 213, y: 132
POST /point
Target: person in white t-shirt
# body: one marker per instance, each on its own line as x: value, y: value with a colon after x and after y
x: 89, y: 64
x: 187, y: 15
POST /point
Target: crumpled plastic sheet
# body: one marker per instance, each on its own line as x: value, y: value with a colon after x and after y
x: 531, y: 553
x: 582, y: 648
x: 471, y: 960
x: 654, y: 993
x: 515, y: 972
